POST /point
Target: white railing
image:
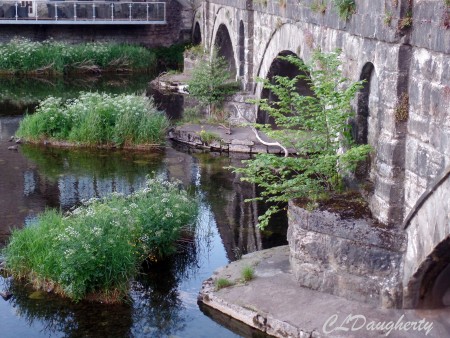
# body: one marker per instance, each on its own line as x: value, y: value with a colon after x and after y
x: 73, y: 12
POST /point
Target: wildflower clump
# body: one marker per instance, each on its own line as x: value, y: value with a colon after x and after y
x: 96, y: 119
x: 95, y: 250
x: 22, y: 56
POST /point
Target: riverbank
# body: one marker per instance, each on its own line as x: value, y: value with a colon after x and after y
x: 274, y: 303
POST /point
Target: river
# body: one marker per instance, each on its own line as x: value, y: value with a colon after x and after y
x: 164, y: 298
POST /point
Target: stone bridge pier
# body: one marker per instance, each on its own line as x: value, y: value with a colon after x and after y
x: 402, y: 50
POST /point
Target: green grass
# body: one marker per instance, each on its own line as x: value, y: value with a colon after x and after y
x: 96, y: 119
x: 222, y: 283
x: 208, y: 136
x: 21, y: 56
x: 247, y: 273
x: 94, y: 251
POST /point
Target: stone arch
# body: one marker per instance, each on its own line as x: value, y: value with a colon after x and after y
x: 241, y: 44
x: 283, y: 68
x: 224, y: 38
x: 426, y: 271
x: 278, y: 43
x: 196, y: 34
x: 225, y: 48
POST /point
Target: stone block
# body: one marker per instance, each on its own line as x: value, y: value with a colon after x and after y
x: 239, y: 148
x: 350, y: 257
x: 243, y: 142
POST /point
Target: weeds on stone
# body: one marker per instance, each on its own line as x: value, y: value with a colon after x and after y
x: 319, y: 6
x: 208, y: 137
x: 402, y: 108
x: 222, y: 283
x: 387, y: 18
x: 406, y: 22
x: 345, y: 8
x: 247, y: 273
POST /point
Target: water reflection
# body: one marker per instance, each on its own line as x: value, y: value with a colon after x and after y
x: 79, y: 174
x: 163, y: 300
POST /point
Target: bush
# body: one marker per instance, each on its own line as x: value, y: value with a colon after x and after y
x: 97, y: 248
x: 51, y: 57
x: 211, y: 83
x: 96, y: 119
x: 316, y: 127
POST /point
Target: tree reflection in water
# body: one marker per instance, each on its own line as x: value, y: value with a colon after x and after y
x: 157, y: 309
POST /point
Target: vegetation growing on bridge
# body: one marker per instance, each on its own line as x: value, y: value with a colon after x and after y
x: 315, y: 126
x: 21, y: 56
x: 345, y: 8
x: 95, y: 250
x: 96, y: 119
x: 211, y: 82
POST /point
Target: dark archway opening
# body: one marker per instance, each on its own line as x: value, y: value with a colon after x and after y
x: 197, y: 35
x: 241, y: 48
x: 280, y: 67
x: 434, y: 289
x: 360, y: 128
x: 225, y: 48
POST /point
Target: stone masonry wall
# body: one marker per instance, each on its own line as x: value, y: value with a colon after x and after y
x: 348, y: 257
x: 408, y: 44
x: 403, y: 64
x: 427, y: 228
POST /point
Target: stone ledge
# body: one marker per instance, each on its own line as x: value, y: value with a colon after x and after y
x: 275, y: 304
x: 241, y: 140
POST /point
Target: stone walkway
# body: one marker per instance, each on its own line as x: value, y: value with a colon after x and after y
x: 275, y: 304
x: 241, y: 140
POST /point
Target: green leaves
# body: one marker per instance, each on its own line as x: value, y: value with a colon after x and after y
x: 211, y: 82
x: 97, y: 118
x: 315, y: 126
x: 98, y: 247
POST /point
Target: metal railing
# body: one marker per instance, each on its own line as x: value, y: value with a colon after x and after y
x: 82, y: 12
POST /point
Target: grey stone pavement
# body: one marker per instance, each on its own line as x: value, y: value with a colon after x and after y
x: 275, y: 304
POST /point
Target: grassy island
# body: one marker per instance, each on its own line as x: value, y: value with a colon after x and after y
x: 96, y: 119
x: 21, y: 56
x: 96, y: 249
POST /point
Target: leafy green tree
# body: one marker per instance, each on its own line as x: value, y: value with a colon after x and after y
x: 316, y: 127
x: 211, y: 82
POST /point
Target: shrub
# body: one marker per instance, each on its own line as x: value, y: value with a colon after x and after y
x: 25, y: 56
x: 222, y: 283
x: 97, y: 248
x: 315, y: 126
x: 96, y: 119
x: 211, y: 83
x: 345, y: 8
x: 247, y: 273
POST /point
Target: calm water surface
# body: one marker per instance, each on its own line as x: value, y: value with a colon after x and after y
x: 164, y: 299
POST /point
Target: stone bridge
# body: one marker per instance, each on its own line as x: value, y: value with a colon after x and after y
x: 402, y: 49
